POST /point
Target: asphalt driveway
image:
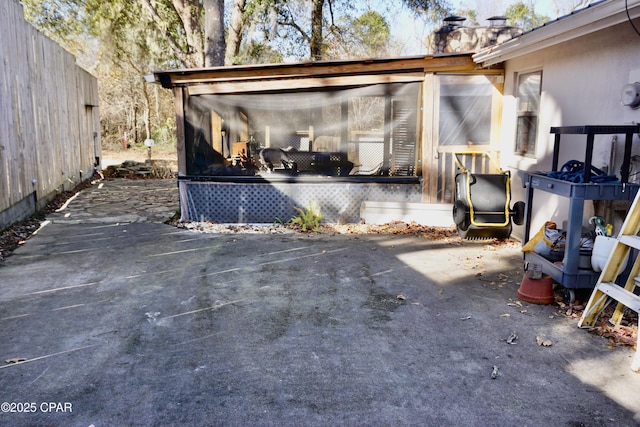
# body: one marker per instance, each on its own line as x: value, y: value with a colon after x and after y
x: 114, y: 319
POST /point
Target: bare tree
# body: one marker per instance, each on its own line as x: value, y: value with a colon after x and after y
x: 214, y: 32
x: 316, y: 29
x: 236, y: 26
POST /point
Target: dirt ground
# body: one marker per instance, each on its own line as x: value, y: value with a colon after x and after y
x: 137, y: 154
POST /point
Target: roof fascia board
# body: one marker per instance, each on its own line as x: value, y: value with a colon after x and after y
x: 581, y: 23
x: 444, y: 63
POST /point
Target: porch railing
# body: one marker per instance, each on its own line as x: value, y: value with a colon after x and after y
x: 476, y: 159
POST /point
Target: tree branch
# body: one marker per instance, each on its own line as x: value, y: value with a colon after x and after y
x: 177, y: 49
x: 235, y: 31
x: 295, y: 26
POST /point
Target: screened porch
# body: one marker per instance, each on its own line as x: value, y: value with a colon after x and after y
x: 255, y: 141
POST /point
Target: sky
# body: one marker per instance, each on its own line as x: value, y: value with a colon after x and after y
x: 550, y: 8
x: 412, y: 33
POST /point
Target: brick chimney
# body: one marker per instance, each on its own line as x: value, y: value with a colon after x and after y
x: 453, y: 36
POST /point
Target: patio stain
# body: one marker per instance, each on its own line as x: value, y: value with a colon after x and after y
x: 381, y: 304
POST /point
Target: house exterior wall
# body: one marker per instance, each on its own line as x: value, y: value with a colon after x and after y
x: 582, y: 82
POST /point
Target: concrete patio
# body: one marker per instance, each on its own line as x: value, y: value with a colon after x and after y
x: 110, y: 317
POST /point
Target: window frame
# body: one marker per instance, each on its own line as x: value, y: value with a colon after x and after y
x: 527, y: 121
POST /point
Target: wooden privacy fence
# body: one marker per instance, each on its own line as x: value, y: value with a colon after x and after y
x: 49, y: 118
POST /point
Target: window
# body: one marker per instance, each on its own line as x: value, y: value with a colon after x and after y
x: 529, y: 86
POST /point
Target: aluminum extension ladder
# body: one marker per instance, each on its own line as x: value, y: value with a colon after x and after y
x: 607, y: 290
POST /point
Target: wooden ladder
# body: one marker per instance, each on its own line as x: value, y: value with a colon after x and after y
x: 607, y: 288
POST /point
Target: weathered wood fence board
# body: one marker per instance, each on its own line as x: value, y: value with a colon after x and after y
x: 49, y: 118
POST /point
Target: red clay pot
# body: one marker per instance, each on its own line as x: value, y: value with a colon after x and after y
x: 536, y: 291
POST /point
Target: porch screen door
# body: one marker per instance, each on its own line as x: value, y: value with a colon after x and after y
x: 467, y: 111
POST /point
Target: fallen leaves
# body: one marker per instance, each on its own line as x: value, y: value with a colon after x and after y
x: 625, y: 334
x: 500, y: 280
x: 395, y: 227
x: 16, y: 235
x: 543, y: 341
x: 517, y: 304
x: 447, y: 234
x: 617, y: 335
x: 19, y: 233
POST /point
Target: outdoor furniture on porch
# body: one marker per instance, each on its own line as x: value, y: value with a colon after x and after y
x: 305, y: 162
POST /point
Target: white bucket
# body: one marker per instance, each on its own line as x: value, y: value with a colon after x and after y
x: 602, y: 248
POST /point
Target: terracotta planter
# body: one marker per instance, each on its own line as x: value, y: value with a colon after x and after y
x: 536, y: 291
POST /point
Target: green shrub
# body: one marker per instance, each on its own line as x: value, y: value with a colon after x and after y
x: 307, y: 219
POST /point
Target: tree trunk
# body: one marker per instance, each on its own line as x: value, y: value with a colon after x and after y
x: 188, y: 12
x: 316, y: 30
x: 235, y: 32
x: 214, y: 30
